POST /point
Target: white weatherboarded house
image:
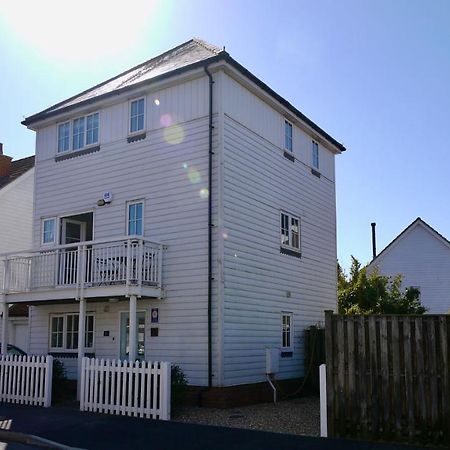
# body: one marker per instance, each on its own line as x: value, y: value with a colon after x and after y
x: 16, y: 223
x: 422, y: 256
x: 183, y: 202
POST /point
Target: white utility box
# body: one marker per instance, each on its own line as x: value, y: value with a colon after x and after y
x: 272, y: 360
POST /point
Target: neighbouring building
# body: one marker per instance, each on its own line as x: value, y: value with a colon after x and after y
x: 16, y: 223
x: 422, y: 256
x: 185, y: 203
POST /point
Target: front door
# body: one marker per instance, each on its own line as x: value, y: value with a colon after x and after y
x: 72, y: 232
x: 125, y: 335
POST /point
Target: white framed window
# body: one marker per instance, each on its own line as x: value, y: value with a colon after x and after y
x: 63, y: 137
x: 288, y: 135
x: 290, y: 231
x: 135, y: 218
x: 137, y: 115
x: 287, y: 332
x: 49, y: 230
x: 64, y: 332
x: 78, y: 133
x: 315, y: 154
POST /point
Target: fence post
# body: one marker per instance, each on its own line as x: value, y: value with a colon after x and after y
x: 82, y: 382
x: 165, y: 391
x: 48, y: 381
x: 329, y: 356
x: 323, y: 400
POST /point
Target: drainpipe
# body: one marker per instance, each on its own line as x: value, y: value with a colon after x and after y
x: 210, y: 225
x: 374, y: 242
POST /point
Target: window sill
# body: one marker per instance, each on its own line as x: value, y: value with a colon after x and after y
x: 75, y: 153
x: 289, y: 156
x: 291, y: 252
x: 315, y: 172
x: 136, y: 137
x: 286, y: 354
x: 70, y: 354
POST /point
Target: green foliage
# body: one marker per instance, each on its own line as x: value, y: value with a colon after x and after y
x: 60, y: 382
x: 373, y: 293
x: 178, y: 385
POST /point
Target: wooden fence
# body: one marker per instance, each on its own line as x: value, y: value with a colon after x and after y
x: 26, y: 379
x: 140, y: 389
x: 388, y: 377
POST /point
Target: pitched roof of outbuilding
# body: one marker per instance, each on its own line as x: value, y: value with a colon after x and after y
x: 418, y: 221
x: 18, y: 168
x: 187, y: 56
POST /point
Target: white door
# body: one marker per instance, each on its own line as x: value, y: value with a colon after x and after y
x: 125, y: 335
x: 72, y: 232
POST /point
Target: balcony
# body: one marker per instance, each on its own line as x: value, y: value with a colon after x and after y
x: 92, y: 269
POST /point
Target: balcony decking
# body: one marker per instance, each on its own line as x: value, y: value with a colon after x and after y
x: 92, y: 269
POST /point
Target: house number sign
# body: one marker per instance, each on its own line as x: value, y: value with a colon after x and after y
x: 155, y: 315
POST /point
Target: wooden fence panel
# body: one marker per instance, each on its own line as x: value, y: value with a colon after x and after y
x: 388, y: 377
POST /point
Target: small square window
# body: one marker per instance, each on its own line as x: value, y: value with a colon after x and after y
x: 48, y: 231
x: 137, y: 115
x: 288, y: 135
x: 315, y: 155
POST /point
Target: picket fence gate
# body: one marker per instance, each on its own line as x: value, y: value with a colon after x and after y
x: 139, y: 389
x: 26, y: 379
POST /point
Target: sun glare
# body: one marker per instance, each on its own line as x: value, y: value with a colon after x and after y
x: 83, y: 32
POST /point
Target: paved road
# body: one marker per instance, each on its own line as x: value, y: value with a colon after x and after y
x: 98, y: 431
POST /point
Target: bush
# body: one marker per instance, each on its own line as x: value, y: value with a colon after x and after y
x: 178, y: 386
x: 60, y: 383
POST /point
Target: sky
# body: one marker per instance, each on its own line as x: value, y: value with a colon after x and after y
x: 374, y: 74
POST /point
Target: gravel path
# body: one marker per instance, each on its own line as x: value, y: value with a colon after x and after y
x: 298, y: 416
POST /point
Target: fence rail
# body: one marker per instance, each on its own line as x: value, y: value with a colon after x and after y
x: 26, y: 379
x: 140, y: 389
x: 388, y: 377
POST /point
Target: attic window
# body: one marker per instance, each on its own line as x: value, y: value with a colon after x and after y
x: 84, y: 131
x: 137, y: 115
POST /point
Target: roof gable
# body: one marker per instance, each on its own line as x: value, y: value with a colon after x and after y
x: 18, y: 168
x: 417, y: 223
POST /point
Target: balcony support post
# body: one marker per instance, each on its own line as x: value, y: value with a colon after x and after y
x: 81, y: 333
x: 4, y: 324
x: 133, y: 328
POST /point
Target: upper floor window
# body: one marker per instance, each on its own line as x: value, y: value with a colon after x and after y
x: 290, y: 231
x: 84, y: 130
x: 48, y: 230
x: 135, y: 218
x: 137, y: 114
x: 315, y: 155
x: 286, y: 331
x: 288, y: 135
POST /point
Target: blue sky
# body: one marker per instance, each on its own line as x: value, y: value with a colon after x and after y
x: 374, y: 74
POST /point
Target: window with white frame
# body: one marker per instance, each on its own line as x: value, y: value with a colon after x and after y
x: 288, y: 135
x: 135, y: 218
x: 286, y: 331
x: 137, y: 115
x: 315, y: 154
x: 290, y: 231
x: 48, y: 230
x: 84, y: 131
x: 64, y: 332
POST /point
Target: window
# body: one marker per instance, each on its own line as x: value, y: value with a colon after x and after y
x: 135, y: 218
x: 63, y: 136
x: 290, y: 231
x: 48, y: 231
x: 137, y: 115
x: 85, y: 131
x: 286, y: 331
x: 64, y: 332
x: 315, y: 155
x: 288, y: 135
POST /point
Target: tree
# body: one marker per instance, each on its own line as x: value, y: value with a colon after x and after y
x: 372, y: 293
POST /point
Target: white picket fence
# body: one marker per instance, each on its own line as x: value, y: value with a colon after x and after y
x: 26, y: 379
x: 139, y: 389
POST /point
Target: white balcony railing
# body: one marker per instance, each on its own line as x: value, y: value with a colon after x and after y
x: 127, y: 261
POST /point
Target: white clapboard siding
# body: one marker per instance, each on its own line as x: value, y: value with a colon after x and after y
x: 139, y: 389
x: 260, y: 283
x: 26, y: 379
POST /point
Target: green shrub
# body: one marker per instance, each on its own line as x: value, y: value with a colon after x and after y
x: 178, y: 386
x: 60, y: 383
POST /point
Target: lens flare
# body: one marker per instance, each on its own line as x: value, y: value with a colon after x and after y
x: 225, y: 234
x: 166, y: 120
x: 185, y: 166
x: 194, y: 175
x: 157, y: 103
x: 204, y: 193
x: 174, y: 134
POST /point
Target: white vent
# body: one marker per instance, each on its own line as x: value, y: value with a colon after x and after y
x: 272, y: 360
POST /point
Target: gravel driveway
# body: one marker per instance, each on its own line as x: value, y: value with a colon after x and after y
x: 298, y: 416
